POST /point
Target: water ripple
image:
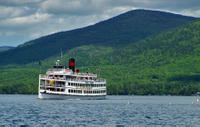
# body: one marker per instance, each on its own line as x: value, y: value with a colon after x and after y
x: 115, y: 111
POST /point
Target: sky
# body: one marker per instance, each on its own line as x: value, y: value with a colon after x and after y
x: 25, y: 20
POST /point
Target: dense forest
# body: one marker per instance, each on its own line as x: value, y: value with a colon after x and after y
x: 165, y: 63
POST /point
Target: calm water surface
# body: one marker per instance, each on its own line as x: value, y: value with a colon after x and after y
x: 115, y: 111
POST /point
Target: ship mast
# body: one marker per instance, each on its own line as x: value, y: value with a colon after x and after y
x: 61, y: 55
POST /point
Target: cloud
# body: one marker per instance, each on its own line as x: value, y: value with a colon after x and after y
x: 25, y: 21
x: 20, y: 2
x: 158, y: 4
x: 73, y: 7
x: 11, y: 12
x: 28, y: 19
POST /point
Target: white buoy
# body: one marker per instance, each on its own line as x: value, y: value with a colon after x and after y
x: 197, y: 101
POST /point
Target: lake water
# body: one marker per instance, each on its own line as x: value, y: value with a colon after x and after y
x: 115, y: 111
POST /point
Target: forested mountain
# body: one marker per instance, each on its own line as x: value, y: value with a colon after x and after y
x: 126, y: 28
x: 164, y: 61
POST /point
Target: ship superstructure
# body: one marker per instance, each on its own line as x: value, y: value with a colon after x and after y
x: 61, y: 82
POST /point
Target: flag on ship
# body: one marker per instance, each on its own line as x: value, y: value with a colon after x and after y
x: 98, y: 69
x: 40, y: 63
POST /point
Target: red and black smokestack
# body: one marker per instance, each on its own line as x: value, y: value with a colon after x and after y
x: 72, y: 64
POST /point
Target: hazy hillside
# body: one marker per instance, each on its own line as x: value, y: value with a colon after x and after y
x: 5, y: 48
x: 118, y: 31
x: 166, y: 63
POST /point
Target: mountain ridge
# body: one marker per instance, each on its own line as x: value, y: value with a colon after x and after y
x: 120, y: 30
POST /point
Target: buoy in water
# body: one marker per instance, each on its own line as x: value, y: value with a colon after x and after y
x: 197, y: 101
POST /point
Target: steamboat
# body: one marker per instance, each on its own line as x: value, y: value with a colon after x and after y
x: 61, y: 82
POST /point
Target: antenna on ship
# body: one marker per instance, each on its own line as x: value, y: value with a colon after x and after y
x: 61, y: 55
x: 98, y: 71
x: 40, y: 64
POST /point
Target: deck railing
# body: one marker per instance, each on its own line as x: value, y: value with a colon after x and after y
x: 83, y: 80
x: 70, y: 79
x: 65, y: 71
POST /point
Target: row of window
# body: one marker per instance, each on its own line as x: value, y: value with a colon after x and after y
x: 53, y: 89
x: 84, y: 85
x: 87, y: 91
x: 52, y: 85
x: 75, y: 91
x: 52, y: 82
x: 94, y: 91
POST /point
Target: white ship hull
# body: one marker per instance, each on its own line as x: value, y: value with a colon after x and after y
x: 69, y: 97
